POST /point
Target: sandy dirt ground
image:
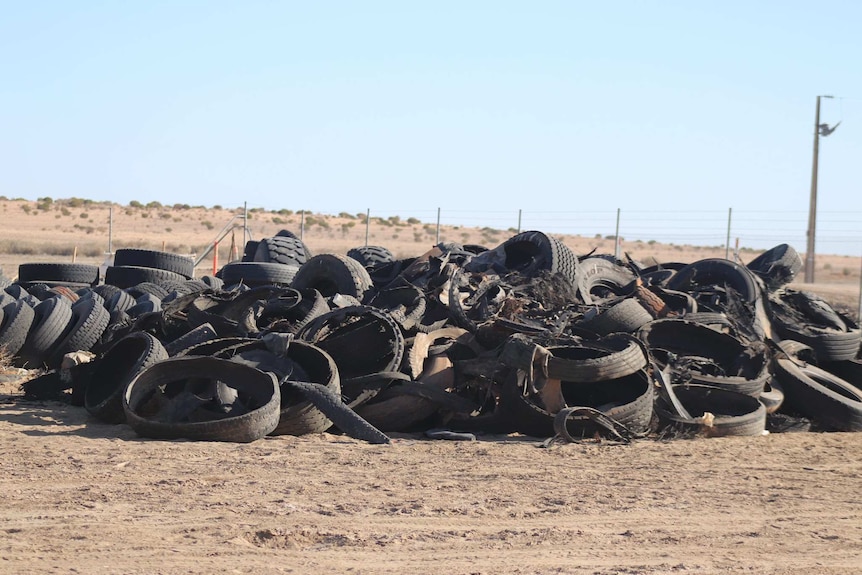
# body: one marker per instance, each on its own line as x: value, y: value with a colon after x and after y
x: 79, y: 496
x: 84, y: 497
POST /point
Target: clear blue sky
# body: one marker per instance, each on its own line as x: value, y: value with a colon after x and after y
x: 556, y: 108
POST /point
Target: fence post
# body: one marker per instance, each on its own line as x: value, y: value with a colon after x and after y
x: 367, y: 224
x: 859, y: 313
x: 301, y: 224
x: 111, y: 229
x: 727, y: 241
x: 617, y: 237
x: 244, y: 224
x: 519, y: 220
x: 437, y: 237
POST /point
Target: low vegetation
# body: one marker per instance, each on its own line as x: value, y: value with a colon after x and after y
x: 53, y: 227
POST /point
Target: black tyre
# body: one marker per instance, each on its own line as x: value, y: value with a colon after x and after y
x: 532, y: 252
x: 850, y: 370
x: 249, y: 250
x: 474, y: 248
x: 712, y: 271
x: 366, y: 344
x: 291, y: 310
x: 628, y: 401
x: 820, y: 396
x: 17, y: 319
x: 286, y: 234
x: 120, y: 300
x: 302, y: 362
x: 804, y: 317
x: 626, y: 316
x: 282, y: 250
x: 74, y: 273
x: 772, y: 397
x: 212, y: 282
x: 258, y: 274
x: 332, y: 274
x: 201, y: 334
x: 343, y: 417
x: 51, y: 320
x: 777, y: 266
x: 147, y: 288
x: 599, y: 278
x: 107, y: 291
x: 154, y: 411
x: 113, y: 371
x: 175, y: 263
x: 89, y: 320
x: 129, y: 276
x: 371, y: 256
x: 732, y: 413
x: 611, y: 358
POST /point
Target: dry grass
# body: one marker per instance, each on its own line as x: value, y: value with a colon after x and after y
x: 51, y: 231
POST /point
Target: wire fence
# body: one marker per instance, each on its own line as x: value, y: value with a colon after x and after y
x: 836, y: 232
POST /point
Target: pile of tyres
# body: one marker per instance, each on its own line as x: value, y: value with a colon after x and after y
x: 525, y: 337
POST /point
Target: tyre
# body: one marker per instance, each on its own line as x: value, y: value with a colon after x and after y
x: 120, y: 300
x: 405, y: 302
x: 175, y: 263
x: 684, y: 338
x: 203, y: 399
x: 51, y: 319
x: 600, y: 278
x: 366, y: 344
x: 286, y: 234
x: 212, y: 282
x: 777, y: 266
x: 290, y: 311
x: 626, y: 316
x: 772, y: 397
x: 332, y: 274
x: 74, y: 273
x: 342, y: 417
x: 806, y: 318
x: 301, y: 362
x: 282, y: 250
x: 532, y: 252
x: 715, y: 271
x: 130, y: 276
x: 820, y: 396
x: 254, y: 274
x: 147, y: 288
x: 89, y: 320
x: 113, y: 371
x: 371, y: 256
x: 614, y: 357
x: 628, y: 401
x: 249, y: 250
x: 107, y: 291
x: 731, y: 413
x: 17, y: 319
x: 716, y: 320
x: 201, y: 334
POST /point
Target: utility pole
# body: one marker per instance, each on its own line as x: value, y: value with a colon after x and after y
x: 812, y: 206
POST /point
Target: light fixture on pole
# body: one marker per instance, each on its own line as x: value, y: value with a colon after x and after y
x: 819, y: 130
